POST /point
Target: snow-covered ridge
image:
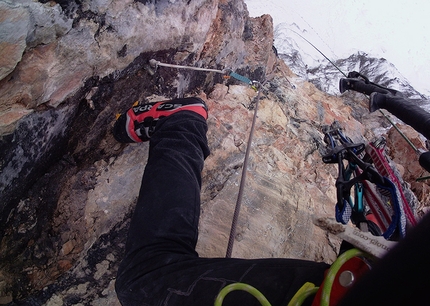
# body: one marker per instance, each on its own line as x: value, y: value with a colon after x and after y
x: 381, y: 29
x: 307, y: 62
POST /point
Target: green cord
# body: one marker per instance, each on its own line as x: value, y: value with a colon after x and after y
x: 328, y: 282
x: 304, y: 292
x: 241, y: 286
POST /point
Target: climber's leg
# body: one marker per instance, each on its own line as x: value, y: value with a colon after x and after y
x: 161, y: 266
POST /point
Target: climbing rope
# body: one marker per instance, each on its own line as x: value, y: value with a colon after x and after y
x: 320, y: 53
x: 242, y: 183
x: 399, y: 131
x: 255, y: 85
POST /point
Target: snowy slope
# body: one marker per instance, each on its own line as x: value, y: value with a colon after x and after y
x: 326, y: 76
x: 381, y: 29
x: 306, y: 61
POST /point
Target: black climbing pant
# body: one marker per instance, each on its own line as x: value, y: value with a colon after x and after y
x: 161, y: 266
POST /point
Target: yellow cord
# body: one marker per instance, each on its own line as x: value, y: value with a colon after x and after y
x: 244, y: 287
x: 305, y: 291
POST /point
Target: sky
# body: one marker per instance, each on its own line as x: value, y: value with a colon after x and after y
x: 396, y: 30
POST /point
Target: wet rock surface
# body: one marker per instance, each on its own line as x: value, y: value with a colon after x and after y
x: 68, y: 188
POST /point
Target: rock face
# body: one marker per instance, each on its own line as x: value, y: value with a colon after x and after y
x: 67, y: 188
x: 407, y: 160
x: 287, y: 182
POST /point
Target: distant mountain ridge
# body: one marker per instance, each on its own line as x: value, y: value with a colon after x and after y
x: 305, y: 61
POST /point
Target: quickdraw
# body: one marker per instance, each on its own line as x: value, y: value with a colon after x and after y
x: 384, y: 199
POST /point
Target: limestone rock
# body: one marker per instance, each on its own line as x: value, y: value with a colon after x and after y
x: 105, y: 38
x: 67, y: 188
x: 14, y: 26
x: 403, y: 154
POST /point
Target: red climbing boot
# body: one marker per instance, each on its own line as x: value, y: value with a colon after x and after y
x: 138, y: 123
